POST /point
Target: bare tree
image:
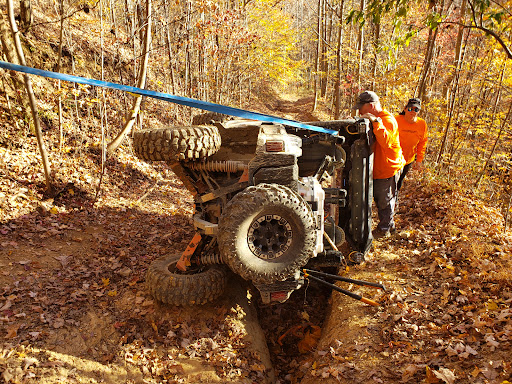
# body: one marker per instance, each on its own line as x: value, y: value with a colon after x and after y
x: 32, y: 98
x: 11, y: 56
x: 458, y: 47
x: 114, y: 144
x: 432, y: 36
x: 317, y: 55
x: 491, y: 154
x: 360, y: 47
x: 26, y: 16
x: 337, y: 84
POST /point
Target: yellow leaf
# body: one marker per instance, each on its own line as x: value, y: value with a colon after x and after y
x: 106, y: 282
x: 112, y: 293
x: 54, y: 210
x: 492, y: 306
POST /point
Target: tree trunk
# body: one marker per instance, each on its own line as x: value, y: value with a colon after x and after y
x: 26, y: 16
x: 426, y: 63
x: 376, y: 48
x: 317, y: 56
x: 32, y: 98
x: 8, y: 48
x: 337, y: 84
x: 59, y: 60
x: 114, y: 144
x: 324, y: 62
x: 458, y: 48
x: 360, y: 42
x: 432, y: 36
x: 450, y: 116
x: 502, y: 127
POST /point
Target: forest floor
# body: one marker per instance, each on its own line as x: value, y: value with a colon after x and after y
x: 74, y: 307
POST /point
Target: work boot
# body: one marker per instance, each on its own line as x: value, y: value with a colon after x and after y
x: 381, y: 233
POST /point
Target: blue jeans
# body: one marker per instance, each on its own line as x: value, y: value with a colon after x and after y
x: 385, y: 193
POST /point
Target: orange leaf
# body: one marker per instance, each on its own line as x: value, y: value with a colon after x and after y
x: 310, y: 340
x: 12, y: 331
x: 431, y: 377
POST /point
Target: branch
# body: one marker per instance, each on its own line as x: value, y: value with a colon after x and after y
x: 498, y: 38
x: 67, y: 16
x: 501, y: 42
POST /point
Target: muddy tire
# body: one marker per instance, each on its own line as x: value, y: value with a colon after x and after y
x: 209, y: 118
x: 176, y: 143
x: 169, y: 285
x: 266, y: 233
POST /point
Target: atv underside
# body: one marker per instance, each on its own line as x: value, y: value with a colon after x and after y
x: 269, y: 201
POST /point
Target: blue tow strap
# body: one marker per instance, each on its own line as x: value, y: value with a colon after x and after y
x: 212, y: 107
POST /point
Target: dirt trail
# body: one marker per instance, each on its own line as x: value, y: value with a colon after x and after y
x: 66, y: 318
x: 75, y: 308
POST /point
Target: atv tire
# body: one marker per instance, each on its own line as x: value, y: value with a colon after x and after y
x: 176, y: 143
x: 266, y: 233
x: 169, y: 285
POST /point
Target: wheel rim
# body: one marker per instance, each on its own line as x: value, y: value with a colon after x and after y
x: 269, y: 236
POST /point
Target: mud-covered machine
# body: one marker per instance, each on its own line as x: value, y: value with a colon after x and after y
x: 270, y: 200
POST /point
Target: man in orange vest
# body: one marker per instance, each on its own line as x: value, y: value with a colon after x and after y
x: 388, y: 159
x: 413, y: 136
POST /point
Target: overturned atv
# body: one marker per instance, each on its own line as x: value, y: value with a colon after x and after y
x: 269, y: 201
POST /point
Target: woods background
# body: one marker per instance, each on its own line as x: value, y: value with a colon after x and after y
x: 454, y: 55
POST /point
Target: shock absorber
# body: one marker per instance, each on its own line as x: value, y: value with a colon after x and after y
x: 211, y: 258
x: 218, y: 166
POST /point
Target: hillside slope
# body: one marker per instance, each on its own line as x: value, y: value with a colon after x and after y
x: 75, y: 307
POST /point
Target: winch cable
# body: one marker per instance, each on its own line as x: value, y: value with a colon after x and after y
x: 189, y: 102
x: 345, y: 279
x: 353, y: 295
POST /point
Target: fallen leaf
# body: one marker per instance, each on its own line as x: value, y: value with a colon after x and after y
x: 446, y: 375
x: 29, y: 361
x: 58, y: 323
x: 176, y: 369
x: 63, y: 260
x: 310, y: 340
x: 409, y: 371
x: 431, y: 377
x: 12, y: 331
x: 6, y: 306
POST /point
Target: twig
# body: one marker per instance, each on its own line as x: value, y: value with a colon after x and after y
x: 147, y: 193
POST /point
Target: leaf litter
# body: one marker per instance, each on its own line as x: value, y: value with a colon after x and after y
x: 74, y: 307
